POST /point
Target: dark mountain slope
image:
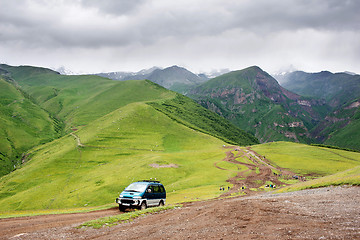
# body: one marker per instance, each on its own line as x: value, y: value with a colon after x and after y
x: 337, y: 89
x: 341, y: 125
x: 254, y: 101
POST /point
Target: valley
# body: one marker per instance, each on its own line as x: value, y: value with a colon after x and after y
x: 72, y: 149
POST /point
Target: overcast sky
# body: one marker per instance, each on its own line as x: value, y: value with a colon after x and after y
x: 88, y: 36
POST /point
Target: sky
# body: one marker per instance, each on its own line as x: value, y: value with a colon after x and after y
x: 91, y: 36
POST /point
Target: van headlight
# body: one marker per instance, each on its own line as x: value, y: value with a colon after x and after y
x: 137, y: 197
x: 120, y: 196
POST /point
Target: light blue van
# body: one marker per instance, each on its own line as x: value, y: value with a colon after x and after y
x: 142, y: 194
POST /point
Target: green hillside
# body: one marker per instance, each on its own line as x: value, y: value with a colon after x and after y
x: 342, y: 127
x: 78, y: 100
x: 308, y: 160
x: 114, y: 132
x: 23, y: 125
x: 114, y: 151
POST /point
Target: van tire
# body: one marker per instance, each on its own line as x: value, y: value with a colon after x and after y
x: 161, y: 203
x: 143, y: 206
x: 121, y: 208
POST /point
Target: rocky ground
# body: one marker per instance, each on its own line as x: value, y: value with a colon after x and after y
x: 326, y: 213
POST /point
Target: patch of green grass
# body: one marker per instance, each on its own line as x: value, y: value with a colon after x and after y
x: 348, y: 177
x: 304, y: 159
x: 29, y: 213
x: 124, y: 217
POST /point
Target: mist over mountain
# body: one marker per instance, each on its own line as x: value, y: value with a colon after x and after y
x: 174, y: 78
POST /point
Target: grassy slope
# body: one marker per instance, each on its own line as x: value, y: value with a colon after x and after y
x: 305, y: 159
x: 78, y: 100
x: 118, y: 150
x: 23, y: 125
x: 348, y: 136
x: 122, y: 136
x: 347, y: 177
x: 191, y: 114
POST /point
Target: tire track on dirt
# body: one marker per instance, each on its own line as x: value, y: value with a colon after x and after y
x: 259, y: 172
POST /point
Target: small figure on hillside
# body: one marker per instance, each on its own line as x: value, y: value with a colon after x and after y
x: 228, y: 188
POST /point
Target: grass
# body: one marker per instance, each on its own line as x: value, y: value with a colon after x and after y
x: 125, y: 217
x: 308, y: 160
x: 121, y: 133
x: 191, y: 114
x: 29, y: 213
x: 348, y: 177
x: 118, y: 150
x: 23, y: 126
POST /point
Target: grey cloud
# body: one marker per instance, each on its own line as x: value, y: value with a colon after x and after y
x: 117, y: 7
x: 171, y: 30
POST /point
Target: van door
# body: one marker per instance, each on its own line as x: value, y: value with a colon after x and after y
x: 150, y: 195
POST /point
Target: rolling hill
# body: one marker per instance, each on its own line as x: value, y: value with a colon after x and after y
x: 113, y: 132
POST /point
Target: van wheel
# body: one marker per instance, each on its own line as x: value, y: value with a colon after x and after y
x: 143, y: 206
x: 161, y: 204
x: 121, y: 208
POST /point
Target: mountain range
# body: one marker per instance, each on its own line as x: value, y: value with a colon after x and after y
x: 174, y: 78
x: 39, y: 105
x: 307, y: 107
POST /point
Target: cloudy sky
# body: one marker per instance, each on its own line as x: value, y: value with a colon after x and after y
x: 88, y: 36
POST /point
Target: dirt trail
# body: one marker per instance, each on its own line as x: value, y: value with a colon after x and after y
x: 10, y: 227
x: 257, y: 175
x: 328, y: 213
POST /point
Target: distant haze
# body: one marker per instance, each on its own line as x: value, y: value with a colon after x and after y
x: 89, y: 36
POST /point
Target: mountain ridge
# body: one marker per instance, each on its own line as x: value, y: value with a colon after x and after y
x: 247, y: 97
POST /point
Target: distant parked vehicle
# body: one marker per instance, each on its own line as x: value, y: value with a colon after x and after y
x: 142, y: 194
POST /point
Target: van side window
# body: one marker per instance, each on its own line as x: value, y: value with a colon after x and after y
x: 156, y: 189
x: 162, y: 189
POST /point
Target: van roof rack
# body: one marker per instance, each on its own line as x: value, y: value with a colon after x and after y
x: 149, y: 181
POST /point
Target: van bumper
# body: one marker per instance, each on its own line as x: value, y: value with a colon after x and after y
x: 128, y: 202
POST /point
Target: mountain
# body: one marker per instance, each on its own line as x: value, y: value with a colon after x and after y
x: 336, y: 88
x: 341, y: 125
x: 254, y: 101
x: 122, y: 76
x: 174, y: 78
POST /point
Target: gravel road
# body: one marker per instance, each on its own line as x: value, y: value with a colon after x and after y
x: 326, y: 213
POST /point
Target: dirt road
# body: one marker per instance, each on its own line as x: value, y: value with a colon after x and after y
x: 327, y: 213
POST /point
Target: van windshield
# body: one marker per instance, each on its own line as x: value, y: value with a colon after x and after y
x: 136, y: 187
